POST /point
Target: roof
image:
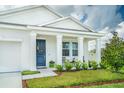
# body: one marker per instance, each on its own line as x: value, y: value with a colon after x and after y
x: 19, y: 9
x: 31, y: 27
x: 45, y: 24
x: 69, y: 17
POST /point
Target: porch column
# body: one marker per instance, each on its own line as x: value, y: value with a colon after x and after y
x: 32, y: 51
x: 80, y: 48
x: 59, y: 49
x: 86, y: 55
x: 98, y: 51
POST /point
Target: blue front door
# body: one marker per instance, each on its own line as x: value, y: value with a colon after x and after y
x: 41, y: 52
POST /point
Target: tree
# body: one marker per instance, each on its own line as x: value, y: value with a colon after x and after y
x: 113, y: 54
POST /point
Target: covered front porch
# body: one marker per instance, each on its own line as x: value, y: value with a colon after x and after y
x: 60, y: 46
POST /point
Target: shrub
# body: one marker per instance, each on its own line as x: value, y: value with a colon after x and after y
x: 77, y: 65
x: 122, y: 70
x: 51, y: 64
x: 84, y: 66
x: 59, y: 68
x: 114, y: 52
x: 94, y: 65
x: 90, y: 64
x: 104, y: 65
x: 68, y: 65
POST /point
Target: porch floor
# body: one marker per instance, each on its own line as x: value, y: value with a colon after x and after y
x: 44, y: 73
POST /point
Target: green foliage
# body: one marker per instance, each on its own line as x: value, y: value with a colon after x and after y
x: 84, y: 66
x: 77, y: 65
x: 51, y: 64
x: 94, y: 65
x: 114, y: 53
x: 122, y: 69
x: 59, y: 68
x: 104, y: 64
x: 89, y: 64
x: 29, y: 72
x: 68, y: 66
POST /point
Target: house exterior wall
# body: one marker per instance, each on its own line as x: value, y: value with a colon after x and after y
x: 24, y: 45
x: 25, y: 38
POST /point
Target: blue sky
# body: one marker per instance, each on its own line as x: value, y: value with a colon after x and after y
x: 121, y: 11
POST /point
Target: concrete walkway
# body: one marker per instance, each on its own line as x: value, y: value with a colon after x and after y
x: 43, y: 73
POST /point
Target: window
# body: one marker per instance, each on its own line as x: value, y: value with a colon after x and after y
x: 74, y: 49
x: 65, y: 49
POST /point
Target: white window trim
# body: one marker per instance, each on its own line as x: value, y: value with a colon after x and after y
x: 74, y: 49
x: 70, y: 49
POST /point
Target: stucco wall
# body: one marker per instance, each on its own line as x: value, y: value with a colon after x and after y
x: 25, y: 37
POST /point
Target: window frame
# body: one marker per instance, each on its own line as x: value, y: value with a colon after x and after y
x: 73, y: 49
x: 66, y: 48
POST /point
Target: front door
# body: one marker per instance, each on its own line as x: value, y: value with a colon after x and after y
x: 41, y: 52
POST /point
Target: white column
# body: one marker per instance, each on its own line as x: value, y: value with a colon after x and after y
x: 32, y: 51
x: 98, y: 51
x: 59, y: 49
x: 80, y: 48
x: 86, y: 55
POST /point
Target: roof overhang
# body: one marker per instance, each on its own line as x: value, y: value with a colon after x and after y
x: 7, y: 12
x: 38, y: 28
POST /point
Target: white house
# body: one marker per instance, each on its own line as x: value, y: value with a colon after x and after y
x: 31, y: 36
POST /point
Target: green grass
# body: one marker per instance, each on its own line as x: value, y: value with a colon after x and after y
x: 28, y: 72
x: 74, y: 78
x: 118, y: 85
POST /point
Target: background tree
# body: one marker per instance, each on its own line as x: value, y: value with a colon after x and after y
x: 113, y: 54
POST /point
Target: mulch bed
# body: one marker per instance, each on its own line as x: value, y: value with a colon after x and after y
x: 24, y: 84
x: 96, y: 83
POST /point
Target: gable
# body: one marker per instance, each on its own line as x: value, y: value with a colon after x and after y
x: 32, y: 16
x: 67, y: 23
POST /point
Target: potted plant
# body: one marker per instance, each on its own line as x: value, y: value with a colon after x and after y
x: 51, y: 64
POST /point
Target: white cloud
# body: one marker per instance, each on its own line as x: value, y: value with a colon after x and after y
x: 97, y: 17
x: 108, y: 35
x: 101, y: 16
x: 120, y: 29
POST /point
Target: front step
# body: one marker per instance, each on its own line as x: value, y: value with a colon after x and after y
x: 41, y: 67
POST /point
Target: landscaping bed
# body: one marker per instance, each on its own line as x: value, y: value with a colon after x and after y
x: 76, y: 78
x: 114, y: 85
x: 97, y: 84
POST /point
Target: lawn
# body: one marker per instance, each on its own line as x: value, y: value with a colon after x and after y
x: 74, y: 78
x: 28, y: 72
x: 118, y: 85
